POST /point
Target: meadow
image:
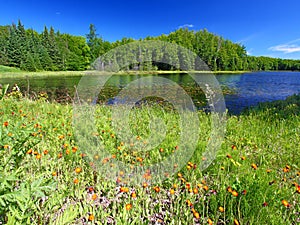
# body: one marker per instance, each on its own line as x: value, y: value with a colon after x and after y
x: 45, y: 177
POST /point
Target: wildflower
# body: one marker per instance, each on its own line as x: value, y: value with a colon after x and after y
x: 68, y: 151
x: 29, y: 151
x: 265, y: 204
x: 59, y: 155
x: 128, y: 206
x: 205, y: 188
x: 172, y: 191
x: 189, y: 203
x: 195, y: 190
x: 9, y: 134
x: 298, y: 189
x: 75, y: 181
x: 78, y: 170
x: 94, y: 196
x: 5, y: 124
x: 228, y: 156
x: 54, y: 174
x: 124, y: 189
x: 233, y: 147
x: 179, y: 175
x: 236, y: 222
x: 133, y: 195
x: 244, y: 192
x: 285, y: 203
x: 145, y: 185
x: 268, y: 171
x: 243, y: 158
x: 46, y: 152
x: 235, y: 193
x: 91, y: 217
x: 221, y: 209
x: 38, y: 156
x: 254, y: 166
x: 156, y: 189
x: 74, y: 149
x: 161, y: 150
x: 209, y: 221
x: 60, y: 137
x: 196, y: 215
x: 229, y: 189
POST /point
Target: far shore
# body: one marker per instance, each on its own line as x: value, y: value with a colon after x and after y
x: 131, y: 72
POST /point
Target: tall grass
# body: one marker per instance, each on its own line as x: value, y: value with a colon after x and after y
x: 45, y: 178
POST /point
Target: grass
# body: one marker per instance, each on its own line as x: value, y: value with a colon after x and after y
x: 46, y: 179
x: 6, y: 71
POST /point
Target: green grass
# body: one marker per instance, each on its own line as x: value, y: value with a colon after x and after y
x: 39, y: 156
x: 5, y: 69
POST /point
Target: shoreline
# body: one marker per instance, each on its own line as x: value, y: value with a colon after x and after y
x: 87, y: 72
x: 81, y: 73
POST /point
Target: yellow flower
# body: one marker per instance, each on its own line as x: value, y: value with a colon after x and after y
x: 128, y: 206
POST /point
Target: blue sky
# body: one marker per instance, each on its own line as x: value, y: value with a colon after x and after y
x: 265, y: 27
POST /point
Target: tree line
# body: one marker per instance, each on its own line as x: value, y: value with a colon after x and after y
x: 51, y: 50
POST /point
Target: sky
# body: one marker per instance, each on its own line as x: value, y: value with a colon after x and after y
x: 264, y: 27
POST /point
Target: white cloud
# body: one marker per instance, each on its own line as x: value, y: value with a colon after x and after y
x: 186, y: 26
x: 287, y: 48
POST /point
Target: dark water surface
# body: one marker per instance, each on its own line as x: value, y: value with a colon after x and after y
x: 240, y: 90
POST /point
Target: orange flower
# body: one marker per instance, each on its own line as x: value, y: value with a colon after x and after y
x: 210, y: 222
x: 46, y: 152
x: 236, y: 222
x: 244, y: 192
x: 221, y: 209
x: 243, y: 158
x: 78, y: 170
x: 139, y: 159
x: 75, y: 181
x: 156, y: 189
x: 233, y: 147
x: 196, y: 215
x: 235, y: 193
x: 179, y: 175
x: 30, y: 151
x: 91, y: 217
x: 268, y: 171
x: 172, y: 191
x: 38, y: 156
x: 94, y: 196
x: 128, y: 206
x: 229, y: 189
x: 298, y: 189
x: 285, y: 203
x: 254, y: 166
x: 59, y: 155
x: 124, y: 189
x: 145, y: 185
x: 5, y: 123
x: 68, y: 151
x: 188, y: 185
x: 195, y: 190
x: 161, y: 149
x: 228, y: 156
x: 74, y: 149
x: 54, y: 174
x: 205, y: 188
x: 189, y: 203
x: 133, y: 195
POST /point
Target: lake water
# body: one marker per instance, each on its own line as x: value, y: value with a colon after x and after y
x: 241, y: 90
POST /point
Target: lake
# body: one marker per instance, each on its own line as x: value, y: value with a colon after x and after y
x: 240, y: 90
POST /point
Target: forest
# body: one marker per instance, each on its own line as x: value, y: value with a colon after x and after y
x: 51, y: 50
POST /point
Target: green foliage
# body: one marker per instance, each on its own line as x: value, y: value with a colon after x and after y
x: 53, y: 51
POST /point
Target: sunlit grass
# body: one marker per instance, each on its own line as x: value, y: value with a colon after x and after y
x: 45, y: 178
